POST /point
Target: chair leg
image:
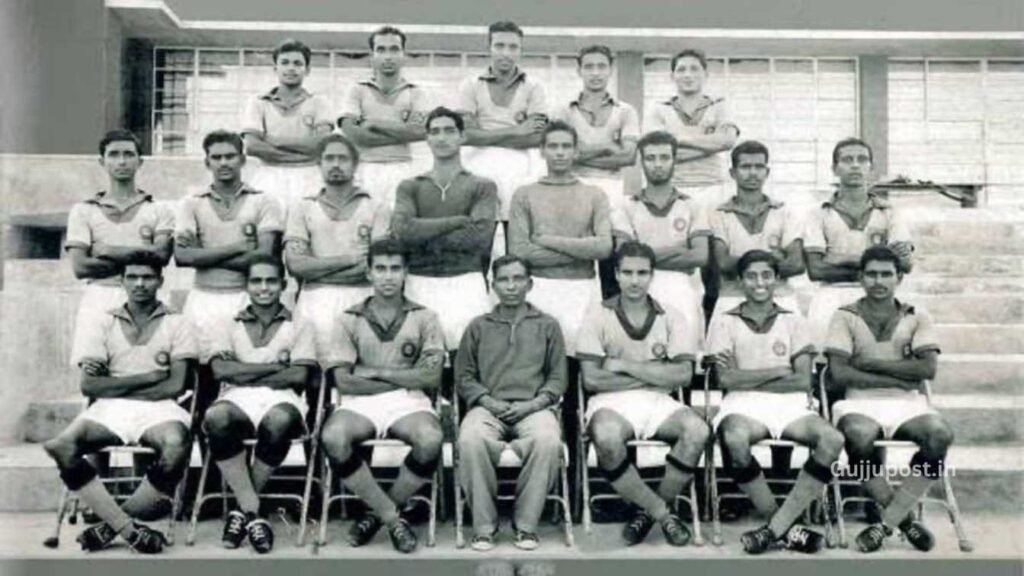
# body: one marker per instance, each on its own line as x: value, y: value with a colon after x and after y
x: 838, y: 492
x: 585, y: 485
x: 176, y: 502
x: 432, y: 525
x: 698, y: 535
x: 954, y: 515
x: 62, y: 508
x: 716, y: 518
x: 306, y: 493
x: 190, y: 536
x: 567, y: 520
x: 460, y: 541
x: 831, y: 538
x: 325, y: 504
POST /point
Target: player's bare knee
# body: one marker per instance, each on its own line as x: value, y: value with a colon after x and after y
x: 218, y: 420
x: 859, y: 437
x: 608, y: 435
x: 695, y: 430
x: 63, y: 450
x: 735, y: 439
x: 336, y: 441
x: 938, y: 438
x: 174, y: 445
x: 428, y: 441
x: 280, y: 424
x: 830, y: 443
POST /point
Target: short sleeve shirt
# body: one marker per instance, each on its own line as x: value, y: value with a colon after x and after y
x: 774, y: 227
x: 606, y: 333
x: 775, y: 344
x: 527, y: 100
x: 831, y: 230
x: 673, y: 225
x: 330, y: 229
x: 98, y: 220
x: 284, y: 340
x: 117, y: 340
x: 405, y: 103
x: 205, y: 220
x: 614, y: 122
x: 360, y: 338
x: 269, y: 115
x: 908, y: 334
x: 710, y: 117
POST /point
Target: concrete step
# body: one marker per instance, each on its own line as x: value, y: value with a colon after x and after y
x: 968, y: 265
x: 971, y: 374
x: 919, y: 283
x: 984, y: 477
x: 981, y: 338
x: 968, y: 237
x: 977, y: 308
x: 44, y: 420
x: 983, y: 420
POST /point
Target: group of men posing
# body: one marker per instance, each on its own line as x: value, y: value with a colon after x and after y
x: 400, y: 274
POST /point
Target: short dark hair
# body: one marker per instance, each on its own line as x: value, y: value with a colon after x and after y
x: 852, y: 141
x: 503, y: 26
x: 595, y: 49
x: 386, y: 247
x: 558, y: 126
x: 508, y: 260
x: 752, y: 256
x: 293, y: 45
x: 386, y: 31
x: 879, y: 254
x: 749, y: 147
x: 268, y: 260
x: 657, y: 138
x: 634, y: 249
x: 339, y: 139
x: 693, y: 53
x: 120, y: 136
x: 442, y: 112
x: 223, y: 136
x: 147, y: 258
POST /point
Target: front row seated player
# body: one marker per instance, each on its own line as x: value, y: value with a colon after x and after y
x: 386, y: 352
x: 134, y: 363
x: 635, y: 352
x: 763, y: 358
x: 262, y: 359
x: 880, y: 350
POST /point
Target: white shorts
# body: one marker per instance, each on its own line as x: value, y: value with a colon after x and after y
x: 645, y: 410
x: 129, y: 419
x: 613, y: 186
x: 684, y: 292
x: 776, y: 410
x: 255, y: 401
x: 381, y: 179
x: 456, y: 300
x: 889, y: 413
x: 826, y: 299
x: 386, y: 408
x: 508, y: 168
x: 285, y: 184
x: 209, y: 311
x: 566, y: 300
x: 323, y: 304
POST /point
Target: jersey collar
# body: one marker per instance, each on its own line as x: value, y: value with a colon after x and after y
x: 122, y: 313
x: 733, y: 205
x: 402, y: 85
x: 324, y: 198
x: 706, y: 102
x: 384, y: 333
x: 608, y: 100
x: 101, y: 199
x: 490, y: 76
x: 546, y: 180
x: 275, y: 98
x: 653, y: 208
x: 529, y: 311
x: 882, y: 333
x: 740, y: 312
x: 635, y: 332
x: 248, y: 315
x: 243, y: 189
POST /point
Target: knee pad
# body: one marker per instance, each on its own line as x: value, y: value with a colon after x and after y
x: 932, y: 468
x: 348, y: 467
x: 78, y: 474
x: 617, y: 472
x: 747, y: 474
x: 818, y: 471
x: 678, y: 464
x: 421, y: 469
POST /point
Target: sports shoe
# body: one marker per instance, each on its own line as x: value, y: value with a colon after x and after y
x: 872, y: 537
x: 758, y: 541
x: 261, y: 535
x: 234, y: 530
x: 676, y: 532
x: 800, y: 538
x: 917, y: 534
x: 483, y: 542
x: 637, y: 529
x: 526, y: 540
x: 97, y: 537
x: 403, y: 538
x: 146, y: 540
x: 364, y: 530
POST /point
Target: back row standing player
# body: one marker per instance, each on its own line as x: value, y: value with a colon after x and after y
x: 112, y: 228
x: 383, y: 115
x: 283, y: 127
x: 505, y: 114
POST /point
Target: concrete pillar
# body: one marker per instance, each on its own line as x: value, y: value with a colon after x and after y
x: 629, y: 68
x: 874, y: 108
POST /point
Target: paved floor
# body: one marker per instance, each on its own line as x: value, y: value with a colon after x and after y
x: 994, y: 536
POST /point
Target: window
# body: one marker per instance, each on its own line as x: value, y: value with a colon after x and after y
x: 958, y: 121
x: 798, y: 107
